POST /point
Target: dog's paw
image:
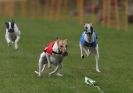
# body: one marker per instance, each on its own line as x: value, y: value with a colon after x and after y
x: 38, y: 74
x: 49, y: 75
x: 9, y: 44
x: 59, y: 74
x: 82, y: 57
x: 98, y: 70
x: 16, y: 47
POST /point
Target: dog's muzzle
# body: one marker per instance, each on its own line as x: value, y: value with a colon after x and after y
x: 65, y: 54
x: 11, y: 30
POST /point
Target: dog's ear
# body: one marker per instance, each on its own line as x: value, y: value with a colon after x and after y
x: 91, y: 24
x: 85, y: 27
x: 66, y: 41
x: 58, y: 40
x: 7, y: 24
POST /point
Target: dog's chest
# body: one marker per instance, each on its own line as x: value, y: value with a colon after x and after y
x: 12, y: 36
x: 92, y: 50
x: 56, y: 59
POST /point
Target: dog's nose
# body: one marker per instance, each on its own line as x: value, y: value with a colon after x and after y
x: 65, y: 54
x: 11, y: 30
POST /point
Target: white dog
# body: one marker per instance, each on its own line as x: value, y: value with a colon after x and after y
x: 12, y: 34
x: 88, y: 43
x: 54, y: 53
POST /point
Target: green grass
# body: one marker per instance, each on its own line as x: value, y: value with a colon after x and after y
x: 17, y: 67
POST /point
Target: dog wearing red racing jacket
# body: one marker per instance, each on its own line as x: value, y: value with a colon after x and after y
x: 53, y: 54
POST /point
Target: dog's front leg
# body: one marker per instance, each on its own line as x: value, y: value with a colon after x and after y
x: 7, y: 39
x: 54, y: 71
x: 86, y: 50
x: 81, y: 50
x: 89, y: 52
x: 58, y: 72
x: 97, y: 58
x: 16, y: 42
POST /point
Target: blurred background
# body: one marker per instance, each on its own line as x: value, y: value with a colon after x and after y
x: 111, y: 13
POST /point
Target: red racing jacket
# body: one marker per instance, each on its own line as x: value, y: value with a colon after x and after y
x: 49, y: 48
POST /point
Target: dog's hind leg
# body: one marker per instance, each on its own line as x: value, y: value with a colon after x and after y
x: 42, y: 69
x: 48, y: 59
x: 41, y: 66
x: 97, y: 59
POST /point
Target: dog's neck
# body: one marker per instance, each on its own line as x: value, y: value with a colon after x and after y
x: 55, y: 47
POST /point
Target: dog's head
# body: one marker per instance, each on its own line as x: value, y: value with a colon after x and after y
x: 10, y: 26
x: 63, y: 44
x: 88, y: 28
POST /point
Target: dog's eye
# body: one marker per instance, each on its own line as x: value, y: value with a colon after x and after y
x: 86, y: 28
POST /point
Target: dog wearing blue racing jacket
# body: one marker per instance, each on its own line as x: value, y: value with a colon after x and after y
x: 88, y: 43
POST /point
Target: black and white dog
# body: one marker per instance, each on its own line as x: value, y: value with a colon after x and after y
x: 12, y: 34
x: 88, y: 43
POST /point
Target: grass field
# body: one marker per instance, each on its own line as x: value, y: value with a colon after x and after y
x: 17, y: 67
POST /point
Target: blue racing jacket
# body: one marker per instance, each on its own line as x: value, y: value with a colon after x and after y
x: 88, y: 44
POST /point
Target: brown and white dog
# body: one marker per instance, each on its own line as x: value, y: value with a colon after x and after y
x: 12, y: 34
x: 88, y: 43
x: 54, y: 54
